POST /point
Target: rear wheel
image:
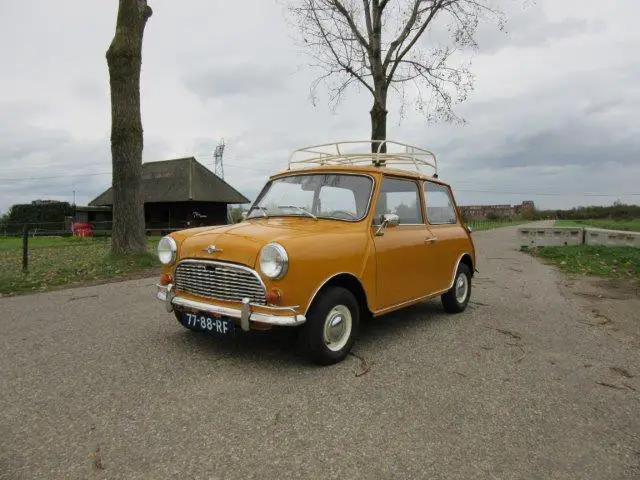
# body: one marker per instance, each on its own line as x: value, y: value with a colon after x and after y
x: 457, y: 298
x: 331, y: 327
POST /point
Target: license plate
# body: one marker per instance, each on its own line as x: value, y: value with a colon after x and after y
x: 209, y: 323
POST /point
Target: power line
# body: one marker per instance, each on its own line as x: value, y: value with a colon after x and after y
x: 20, y: 179
x: 63, y: 175
x: 244, y: 167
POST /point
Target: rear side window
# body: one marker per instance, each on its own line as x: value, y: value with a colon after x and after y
x: 401, y: 197
x: 440, y: 209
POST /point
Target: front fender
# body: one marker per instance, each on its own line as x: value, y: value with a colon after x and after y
x: 313, y: 261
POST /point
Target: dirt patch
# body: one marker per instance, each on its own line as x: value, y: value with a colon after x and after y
x: 607, y: 288
x: 613, y: 303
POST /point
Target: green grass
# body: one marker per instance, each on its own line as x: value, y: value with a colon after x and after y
x: 66, y: 261
x: 596, y: 260
x: 627, y: 225
x: 478, y: 225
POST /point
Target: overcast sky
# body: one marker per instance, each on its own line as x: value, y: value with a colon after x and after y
x: 551, y: 118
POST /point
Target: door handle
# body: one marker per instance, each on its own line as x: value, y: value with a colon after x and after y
x: 431, y: 240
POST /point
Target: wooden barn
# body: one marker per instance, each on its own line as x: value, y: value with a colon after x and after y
x: 180, y: 193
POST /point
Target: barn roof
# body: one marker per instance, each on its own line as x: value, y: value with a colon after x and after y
x: 179, y: 180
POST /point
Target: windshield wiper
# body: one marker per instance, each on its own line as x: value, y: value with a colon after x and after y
x: 307, y: 212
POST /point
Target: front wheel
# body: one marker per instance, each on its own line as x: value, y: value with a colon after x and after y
x: 457, y: 298
x: 331, y: 327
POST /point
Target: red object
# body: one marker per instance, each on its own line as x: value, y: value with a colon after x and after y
x: 82, y: 229
x: 165, y: 279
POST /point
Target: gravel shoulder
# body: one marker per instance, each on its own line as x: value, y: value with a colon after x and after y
x: 100, y: 382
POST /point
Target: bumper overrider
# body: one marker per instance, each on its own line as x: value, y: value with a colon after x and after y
x: 281, y: 316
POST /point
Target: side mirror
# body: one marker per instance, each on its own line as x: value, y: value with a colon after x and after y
x: 388, y: 220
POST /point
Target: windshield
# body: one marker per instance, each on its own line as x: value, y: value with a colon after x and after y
x: 337, y: 196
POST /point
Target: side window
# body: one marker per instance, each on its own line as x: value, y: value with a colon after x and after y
x: 440, y: 209
x: 401, y: 197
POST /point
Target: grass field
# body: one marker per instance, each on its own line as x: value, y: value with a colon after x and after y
x: 60, y: 261
x: 68, y: 261
x: 592, y: 260
x: 628, y: 225
x: 490, y: 224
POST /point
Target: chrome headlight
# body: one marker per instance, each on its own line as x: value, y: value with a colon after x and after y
x: 274, y: 261
x: 167, y: 249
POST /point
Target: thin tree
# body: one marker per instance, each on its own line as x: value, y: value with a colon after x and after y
x: 379, y: 45
x: 124, y: 59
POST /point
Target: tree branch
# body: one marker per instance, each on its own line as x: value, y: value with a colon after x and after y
x: 437, y: 5
x: 351, y: 22
x: 347, y: 68
x: 367, y: 16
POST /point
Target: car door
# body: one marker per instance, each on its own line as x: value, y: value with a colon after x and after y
x: 403, y: 252
x: 449, y: 237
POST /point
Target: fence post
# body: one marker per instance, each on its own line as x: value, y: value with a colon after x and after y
x: 25, y: 248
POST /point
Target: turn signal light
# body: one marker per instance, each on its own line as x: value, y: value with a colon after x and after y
x: 165, y: 279
x: 274, y: 296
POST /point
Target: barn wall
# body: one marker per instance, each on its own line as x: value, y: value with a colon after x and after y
x: 184, y: 214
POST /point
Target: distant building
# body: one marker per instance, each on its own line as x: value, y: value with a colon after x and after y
x: 482, y: 212
x: 178, y: 193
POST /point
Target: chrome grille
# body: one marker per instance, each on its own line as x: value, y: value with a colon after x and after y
x: 219, y: 281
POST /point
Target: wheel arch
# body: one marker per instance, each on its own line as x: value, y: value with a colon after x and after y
x: 468, y: 261
x: 347, y: 281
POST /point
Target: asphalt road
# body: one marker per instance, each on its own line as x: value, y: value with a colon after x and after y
x: 100, y: 382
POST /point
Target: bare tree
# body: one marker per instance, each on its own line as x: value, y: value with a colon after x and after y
x: 377, y: 45
x: 124, y: 58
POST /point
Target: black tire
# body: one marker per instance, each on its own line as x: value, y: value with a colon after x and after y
x: 311, y: 337
x: 450, y: 302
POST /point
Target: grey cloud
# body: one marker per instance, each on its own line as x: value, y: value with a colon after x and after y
x: 92, y: 90
x: 249, y: 80
x: 533, y: 32
x: 40, y: 163
x: 604, y: 107
x: 576, y: 104
x: 529, y: 25
x: 572, y: 144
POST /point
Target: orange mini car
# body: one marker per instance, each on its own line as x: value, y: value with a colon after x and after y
x: 341, y: 235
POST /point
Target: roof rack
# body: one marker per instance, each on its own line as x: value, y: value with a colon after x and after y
x: 347, y: 153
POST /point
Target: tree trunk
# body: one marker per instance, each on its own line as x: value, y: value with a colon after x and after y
x: 378, y: 126
x: 124, y: 58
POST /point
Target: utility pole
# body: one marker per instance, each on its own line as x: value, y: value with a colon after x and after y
x: 218, y: 167
x: 217, y: 159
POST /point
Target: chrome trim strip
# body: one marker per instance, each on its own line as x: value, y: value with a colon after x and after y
x: 408, y: 302
x: 430, y: 295
x: 244, y: 314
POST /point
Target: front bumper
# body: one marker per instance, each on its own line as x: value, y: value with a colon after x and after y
x: 281, y: 316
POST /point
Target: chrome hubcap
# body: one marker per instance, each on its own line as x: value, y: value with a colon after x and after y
x: 337, y: 328
x: 462, y: 288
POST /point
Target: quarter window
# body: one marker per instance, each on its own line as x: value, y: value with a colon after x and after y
x: 400, y: 197
x: 440, y: 209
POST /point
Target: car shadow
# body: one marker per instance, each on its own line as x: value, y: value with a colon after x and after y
x: 395, y: 324
x: 275, y: 347
x: 278, y: 348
